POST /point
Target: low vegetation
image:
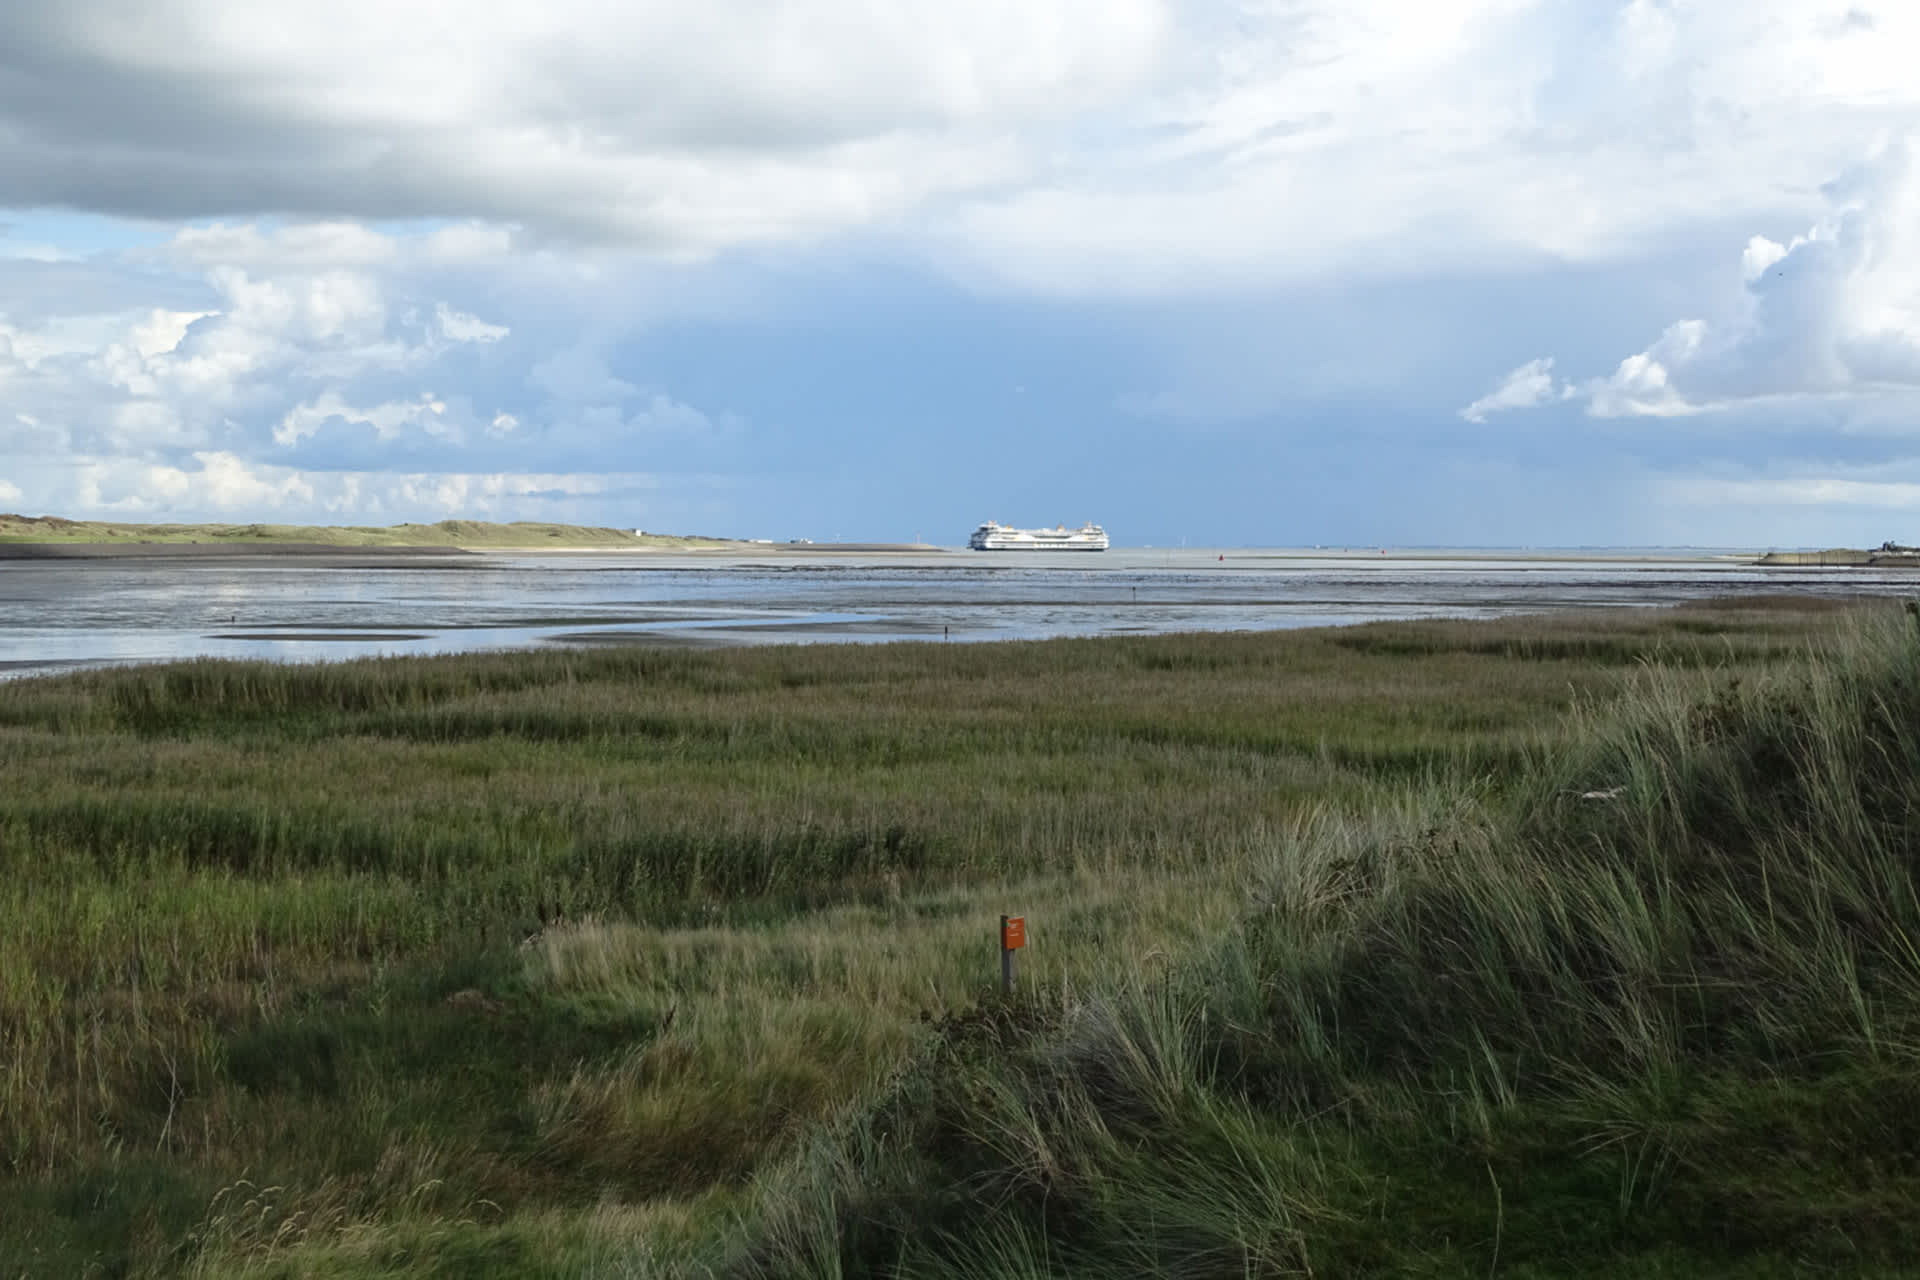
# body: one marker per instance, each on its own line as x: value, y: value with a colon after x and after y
x: 477, y: 534
x: 1404, y: 948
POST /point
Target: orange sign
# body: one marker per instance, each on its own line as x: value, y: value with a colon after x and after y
x: 1013, y: 932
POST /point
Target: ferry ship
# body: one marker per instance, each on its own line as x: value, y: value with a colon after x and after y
x: 994, y: 536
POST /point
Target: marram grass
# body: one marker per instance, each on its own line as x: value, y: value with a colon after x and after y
x: 610, y: 963
x: 1651, y: 1009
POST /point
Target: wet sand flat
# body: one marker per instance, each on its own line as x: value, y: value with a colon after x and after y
x: 336, y: 637
x: 100, y: 604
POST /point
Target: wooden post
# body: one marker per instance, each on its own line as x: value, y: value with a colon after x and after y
x: 1013, y: 936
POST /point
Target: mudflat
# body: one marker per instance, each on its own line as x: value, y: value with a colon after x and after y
x: 139, y: 600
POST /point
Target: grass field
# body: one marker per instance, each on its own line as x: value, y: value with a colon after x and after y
x: 475, y: 534
x: 655, y: 962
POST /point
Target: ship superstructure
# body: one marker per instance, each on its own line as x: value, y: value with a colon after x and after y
x: 994, y: 536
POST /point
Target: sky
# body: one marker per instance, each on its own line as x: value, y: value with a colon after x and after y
x: 1221, y: 272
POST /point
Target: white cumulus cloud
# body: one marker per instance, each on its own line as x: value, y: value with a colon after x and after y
x: 288, y: 341
x: 458, y: 326
x: 386, y: 419
x: 1833, y: 315
x: 1529, y: 385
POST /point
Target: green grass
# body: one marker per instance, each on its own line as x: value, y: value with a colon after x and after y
x: 636, y: 962
x: 1650, y: 1009
x: 446, y: 533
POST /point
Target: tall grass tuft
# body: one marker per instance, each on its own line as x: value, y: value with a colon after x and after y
x: 1648, y: 1006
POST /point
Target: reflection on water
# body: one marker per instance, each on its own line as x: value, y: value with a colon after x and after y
x: 60, y: 613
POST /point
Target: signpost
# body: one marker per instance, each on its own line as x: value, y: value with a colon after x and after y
x: 1013, y: 936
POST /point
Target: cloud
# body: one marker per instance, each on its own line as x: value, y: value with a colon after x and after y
x: 1803, y: 491
x: 371, y: 241
x: 1832, y: 315
x: 1309, y: 139
x: 295, y: 361
x: 329, y: 245
x: 1782, y: 501
x: 274, y: 352
x: 458, y: 326
x: 1788, y: 491
x: 1642, y: 385
x: 1530, y: 385
x: 386, y: 420
x: 216, y: 484
x: 31, y: 252
x: 1066, y: 146
x: 682, y: 126
x: 163, y: 332
x: 320, y: 245
x: 220, y: 482
x: 1761, y: 253
x: 579, y: 375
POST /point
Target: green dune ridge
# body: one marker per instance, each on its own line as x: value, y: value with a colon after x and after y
x: 445, y: 533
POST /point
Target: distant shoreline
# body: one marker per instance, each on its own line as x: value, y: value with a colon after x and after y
x: 442, y: 556
x: 215, y: 551
x: 48, y: 537
x: 1844, y: 557
x: 250, y: 539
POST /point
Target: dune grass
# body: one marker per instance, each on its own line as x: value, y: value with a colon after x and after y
x: 632, y: 962
x: 1653, y: 1009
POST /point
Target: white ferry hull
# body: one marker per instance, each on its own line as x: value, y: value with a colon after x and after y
x: 994, y: 536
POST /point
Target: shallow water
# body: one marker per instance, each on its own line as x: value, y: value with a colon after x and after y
x: 61, y: 613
